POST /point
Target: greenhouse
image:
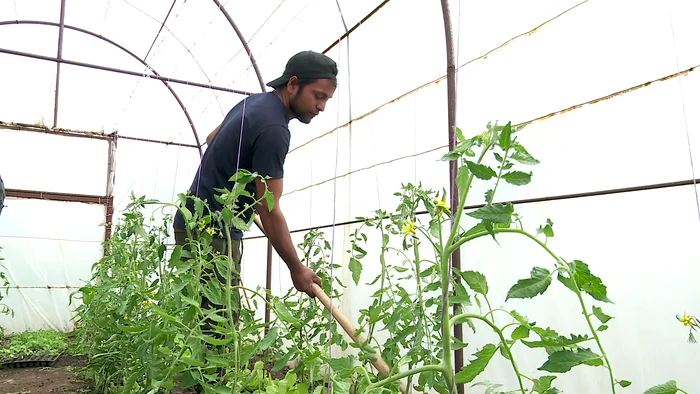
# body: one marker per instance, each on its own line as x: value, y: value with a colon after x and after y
x: 407, y: 196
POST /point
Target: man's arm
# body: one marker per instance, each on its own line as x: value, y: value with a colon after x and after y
x: 277, y: 232
x: 211, y: 135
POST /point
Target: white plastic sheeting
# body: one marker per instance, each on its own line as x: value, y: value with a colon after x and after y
x: 588, y: 64
x: 49, y: 249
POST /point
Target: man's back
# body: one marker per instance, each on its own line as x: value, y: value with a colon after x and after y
x: 259, y: 126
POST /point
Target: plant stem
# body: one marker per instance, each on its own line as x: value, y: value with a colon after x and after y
x: 382, y: 261
x: 490, y: 308
x: 401, y: 375
x: 500, y: 335
x: 594, y: 332
x: 229, y: 309
x: 446, y: 326
x: 577, y: 289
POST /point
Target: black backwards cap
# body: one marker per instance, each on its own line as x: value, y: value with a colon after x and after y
x: 307, y: 65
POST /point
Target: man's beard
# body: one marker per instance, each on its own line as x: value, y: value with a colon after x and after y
x: 299, y: 115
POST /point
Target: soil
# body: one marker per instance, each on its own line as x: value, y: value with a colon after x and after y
x: 58, y: 379
x: 62, y: 379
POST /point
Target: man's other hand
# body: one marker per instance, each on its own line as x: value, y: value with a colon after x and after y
x: 303, y: 278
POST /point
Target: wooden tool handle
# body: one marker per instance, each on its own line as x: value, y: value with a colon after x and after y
x: 378, y: 362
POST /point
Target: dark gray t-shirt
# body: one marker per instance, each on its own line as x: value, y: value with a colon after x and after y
x: 259, y: 125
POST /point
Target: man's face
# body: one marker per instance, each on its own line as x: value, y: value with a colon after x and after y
x: 311, y: 100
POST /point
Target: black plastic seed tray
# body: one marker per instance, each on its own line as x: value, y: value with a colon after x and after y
x: 37, y: 360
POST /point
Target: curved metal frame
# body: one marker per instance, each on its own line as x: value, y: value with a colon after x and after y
x: 105, y: 39
x: 244, y: 43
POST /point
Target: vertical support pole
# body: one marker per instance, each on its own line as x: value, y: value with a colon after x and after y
x: 454, y: 194
x: 59, y: 56
x: 109, y: 192
x: 268, y: 282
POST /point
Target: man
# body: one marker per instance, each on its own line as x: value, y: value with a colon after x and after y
x: 255, y: 136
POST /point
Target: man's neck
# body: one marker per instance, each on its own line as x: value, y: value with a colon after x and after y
x: 284, y: 97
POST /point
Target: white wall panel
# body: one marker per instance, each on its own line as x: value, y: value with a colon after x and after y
x: 49, y: 248
x: 54, y: 163
x: 155, y: 171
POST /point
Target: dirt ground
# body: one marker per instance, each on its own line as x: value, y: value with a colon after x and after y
x: 59, y: 379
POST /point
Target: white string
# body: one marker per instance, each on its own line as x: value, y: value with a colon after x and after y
x: 335, y: 194
x: 685, y: 119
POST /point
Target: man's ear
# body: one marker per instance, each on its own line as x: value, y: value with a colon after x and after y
x: 293, y: 85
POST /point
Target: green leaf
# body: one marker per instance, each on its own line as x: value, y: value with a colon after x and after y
x: 269, y: 339
x: 543, y: 384
x: 522, y: 156
x: 521, y: 332
x: 476, y: 281
x: 546, y: 229
x: 198, y: 207
x: 464, y: 148
x: 602, y: 317
x: 489, y: 196
x: 189, y: 300
x: 227, y: 215
x: 461, y: 180
x: 536, y: 284
x: 283, y: 361
x: 563, y: 360
x: 476, y: 366
x: 192, y: 362
x: 356, y: 269
x: 556, y: 340
x: 270, y: 200
x: 517, y: 178
x: 624, y: 383
x: 481, y: 171
x: 283, y: 312
x: 602, y: 328
x: 504, y: 140
x: 240, y: 224
x: 587, y: 282
x: 497, y: 213
x: 665, y: 388
x: 461, y: 296
x: 460, y: 135
x: 342, y: 366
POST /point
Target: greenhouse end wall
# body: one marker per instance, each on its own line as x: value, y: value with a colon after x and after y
x: 607, y: 90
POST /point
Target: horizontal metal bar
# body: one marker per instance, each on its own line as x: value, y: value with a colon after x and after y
x: 49, y: 287
x: 56, y: 131
x: 596, y: 193
x: 83, y: 134
x: 126, y: 137
x: 54, y: 196
x: 120, y: 71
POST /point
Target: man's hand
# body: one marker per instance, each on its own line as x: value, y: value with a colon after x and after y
x: 303, y: 278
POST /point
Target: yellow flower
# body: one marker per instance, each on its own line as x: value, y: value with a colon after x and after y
x: 692, y: 322
x: 211, y: 231
x: 441, y: 205
x: 409, y: 228
x: 687, y: 320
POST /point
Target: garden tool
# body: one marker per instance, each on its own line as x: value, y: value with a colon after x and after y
x: 359, y: 339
